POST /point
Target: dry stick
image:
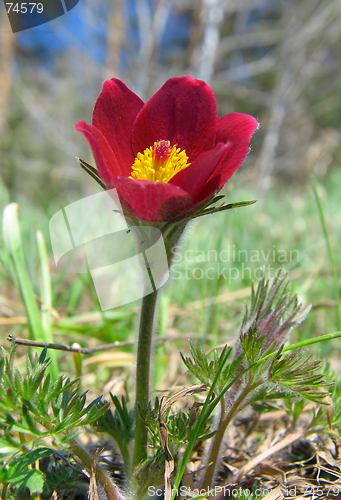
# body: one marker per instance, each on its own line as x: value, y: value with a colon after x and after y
x: 90, y: 350
x: 266, y: 158
x: 61, y: 347
x: 211, y: 22
x: 17, y: 320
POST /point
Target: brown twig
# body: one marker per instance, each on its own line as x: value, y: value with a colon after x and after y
x: 90, y: 350
x: 61, y: 347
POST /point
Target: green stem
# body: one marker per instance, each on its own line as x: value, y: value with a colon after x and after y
x: 126, y: 460
x: 171, y: 233
x: 142, y: 375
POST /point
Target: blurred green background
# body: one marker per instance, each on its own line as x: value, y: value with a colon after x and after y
x: 278, y: 60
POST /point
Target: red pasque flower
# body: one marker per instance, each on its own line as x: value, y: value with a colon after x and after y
x: 170, y: 155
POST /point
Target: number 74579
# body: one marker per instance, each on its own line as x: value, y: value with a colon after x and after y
x: 24, y: 8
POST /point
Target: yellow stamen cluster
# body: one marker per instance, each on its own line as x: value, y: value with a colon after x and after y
x: 159, y: 162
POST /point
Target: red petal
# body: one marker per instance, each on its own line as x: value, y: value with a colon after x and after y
x: 238, y: 129
x: 151, y: 201
x: 104, y: 157
x: 208, y: 191
x: 193, y: 178
x: 183, y: 112
x: 114, y: 114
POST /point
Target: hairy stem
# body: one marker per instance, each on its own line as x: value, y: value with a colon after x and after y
x: 214, y: 452
x: 171, y: 233
x: 142, y: 375
x: 110, y: 489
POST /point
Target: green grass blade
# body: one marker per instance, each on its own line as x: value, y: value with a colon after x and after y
x: 4, y: 196
x: 303, y: 343
x: 330, y: 252
x: 13, y: 245
x: 196, y: 431
x: 46, y: 297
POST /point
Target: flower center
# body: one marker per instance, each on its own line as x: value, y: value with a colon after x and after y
x: 159, y: 162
